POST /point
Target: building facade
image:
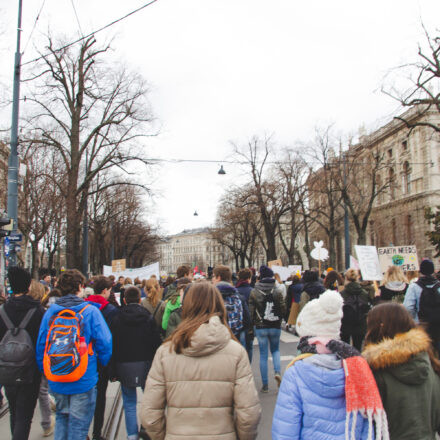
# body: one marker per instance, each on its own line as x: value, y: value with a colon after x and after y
x: 192, y: 247
x: 412, y: 159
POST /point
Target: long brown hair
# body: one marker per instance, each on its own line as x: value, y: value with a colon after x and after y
x: 202, y: 301
x: 388, y: 319
x: 153, y: 291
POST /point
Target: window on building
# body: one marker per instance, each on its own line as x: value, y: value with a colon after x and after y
x: 404, y: 145
x: 392, y: 179
x: 390, y: 153
x: 406, y: 181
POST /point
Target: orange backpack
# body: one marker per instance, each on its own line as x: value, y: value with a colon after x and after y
x: 66, y: 354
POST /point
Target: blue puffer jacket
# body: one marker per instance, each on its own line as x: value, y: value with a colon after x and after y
x: 311, y: 402
x: 95, y: 331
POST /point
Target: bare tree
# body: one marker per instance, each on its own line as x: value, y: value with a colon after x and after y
x: 266, y: 195
x: 85, y: 109
x: 423, y: 90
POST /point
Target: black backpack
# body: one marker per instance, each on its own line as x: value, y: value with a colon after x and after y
x: 355, y: 309
x: 17, y: 352
x: 429, y: 306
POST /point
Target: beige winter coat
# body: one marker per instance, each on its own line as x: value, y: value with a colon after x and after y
x: 208, y: 391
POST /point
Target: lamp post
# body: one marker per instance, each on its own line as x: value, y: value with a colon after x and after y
x: 13, y: 155
x: 85, y: 249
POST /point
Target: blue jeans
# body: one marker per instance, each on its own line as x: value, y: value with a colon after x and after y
x: 129, y: 397
x: 248, y: 343
x: 266, y: 337
x: 74, y: 415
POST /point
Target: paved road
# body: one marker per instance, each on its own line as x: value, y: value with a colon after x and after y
x: 288, y: 350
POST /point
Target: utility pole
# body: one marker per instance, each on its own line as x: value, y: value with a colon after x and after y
x: 346, y: 224
x: 13, y: 154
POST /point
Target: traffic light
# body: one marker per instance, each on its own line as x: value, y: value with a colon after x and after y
x: 5, y: 226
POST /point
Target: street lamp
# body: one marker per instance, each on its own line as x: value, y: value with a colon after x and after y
x: 221, y: 171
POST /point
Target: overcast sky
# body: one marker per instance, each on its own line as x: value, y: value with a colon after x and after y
x: 222, y: 71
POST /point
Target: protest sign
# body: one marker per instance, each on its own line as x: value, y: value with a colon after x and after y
x: 140, y: 272
x: 369, y: 263
x: 274, y: 263
x: 118, y: 265
x: 404, y: 257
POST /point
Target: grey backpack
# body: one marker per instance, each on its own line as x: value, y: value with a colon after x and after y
x: 17, y: 352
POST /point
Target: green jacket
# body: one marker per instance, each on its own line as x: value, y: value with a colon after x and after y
x: 171, y: 304
x: 257, y: 304
x: 408, y: 385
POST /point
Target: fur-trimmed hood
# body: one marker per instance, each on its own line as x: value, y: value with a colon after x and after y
x: 405, y: 356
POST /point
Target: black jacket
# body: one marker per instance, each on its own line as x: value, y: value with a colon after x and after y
x: 16, y: 308
x: 135, y: 335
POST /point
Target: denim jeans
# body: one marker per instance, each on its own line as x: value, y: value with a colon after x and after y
x: 269, y: 337
x: 74, y: 415
x: 247, y: 340
x: 44, y: 401
x: 129, y: 397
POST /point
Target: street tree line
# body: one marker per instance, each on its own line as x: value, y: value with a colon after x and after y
x: 82, y: 128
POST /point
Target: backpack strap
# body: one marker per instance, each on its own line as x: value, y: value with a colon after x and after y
x: 157, y: 308
x: 6, y: 319
x: 23, y: 323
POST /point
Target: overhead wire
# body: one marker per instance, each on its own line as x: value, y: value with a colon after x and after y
x: 34, y: 26
x: 92, y: 33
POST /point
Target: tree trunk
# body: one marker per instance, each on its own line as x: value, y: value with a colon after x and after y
x: 34, y: 260
x: 362, y: 237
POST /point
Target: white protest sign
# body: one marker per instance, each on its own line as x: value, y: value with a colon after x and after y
x: 294, y: 269
x: 369, y: 263
x: 404, y: 257
x: 354, y: 264
x: 140, y: 272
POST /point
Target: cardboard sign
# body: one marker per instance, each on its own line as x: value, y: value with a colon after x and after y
x: 118, y: 265
x: 140, y: 272
x: 404, y: 257
x: 274, y: 263
x: 369, y: 263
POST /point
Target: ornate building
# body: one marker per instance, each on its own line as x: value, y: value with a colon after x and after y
x: 413, y: 174
x: 193, y: 247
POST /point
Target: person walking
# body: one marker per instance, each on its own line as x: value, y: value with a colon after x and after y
x: 135, y: 341
x: 244, y: 288
x: 267, y: 308
x: 73, y: 329
x: 21, y: 383
x: 328, y: 391
x: 102, y: 289
x: 406, y: 372
x: 176, y: 315
x: 153, y: 302
x: 356, y: 306
x: 394, y: 285
x: 313, y: 287
x: 200, y: 384
x: 236, y: 306
x: 37, y: 291
x: 333, y: 280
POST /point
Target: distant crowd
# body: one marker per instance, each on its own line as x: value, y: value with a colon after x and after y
x: 367, y: 363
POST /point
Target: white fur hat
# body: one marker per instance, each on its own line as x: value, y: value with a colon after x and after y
x: 321, y: 316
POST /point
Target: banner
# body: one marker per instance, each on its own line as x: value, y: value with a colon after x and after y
x: 140, y: 272
x: 369, y: 263
x: 404, y: 257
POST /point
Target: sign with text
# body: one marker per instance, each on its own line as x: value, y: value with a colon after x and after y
x: 369, y: 263
x: 404, y: 257
x: 118, y: 265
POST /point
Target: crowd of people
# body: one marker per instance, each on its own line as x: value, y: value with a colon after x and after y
x: 367, y: 363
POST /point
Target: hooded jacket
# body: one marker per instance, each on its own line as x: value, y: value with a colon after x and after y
x: 311, y: 402
x: 244, y: 289
x: 311, y: 290
x: 394, y: 290
x: 257, y: 303
x: 409, y: 387
x: 95, y: 330
x: 206, y: 392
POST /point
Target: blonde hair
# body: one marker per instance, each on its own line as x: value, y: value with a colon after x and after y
x: 394, y: 273
x: 411, y: 275
x: 127, y: 281
x: 153, y: 292
x: 351, y: 275
x: 37, y: 290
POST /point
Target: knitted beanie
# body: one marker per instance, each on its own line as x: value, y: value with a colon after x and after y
x: 266, y: 272
x: 321, y: 316
x: 427, y: 267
